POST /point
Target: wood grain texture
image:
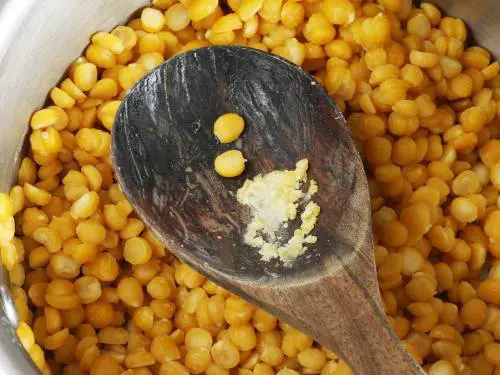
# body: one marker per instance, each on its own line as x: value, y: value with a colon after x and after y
x: 164, y: 147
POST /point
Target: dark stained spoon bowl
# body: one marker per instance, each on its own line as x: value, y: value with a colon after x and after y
x: 164, y: 148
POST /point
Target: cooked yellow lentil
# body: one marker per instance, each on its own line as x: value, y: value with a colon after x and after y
x: 101, y: 295
x: 230, y: 163
x: 228, y: 127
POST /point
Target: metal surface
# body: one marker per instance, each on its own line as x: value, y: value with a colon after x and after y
x: 39, y: 38
x: 481, y: 16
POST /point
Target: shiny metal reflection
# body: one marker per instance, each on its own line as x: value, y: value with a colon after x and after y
x: 39, y: 39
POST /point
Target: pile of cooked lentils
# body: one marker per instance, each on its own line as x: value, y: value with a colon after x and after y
x: 97, y: 293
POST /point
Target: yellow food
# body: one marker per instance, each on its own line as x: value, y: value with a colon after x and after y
x: 230, y: 163
x: 228, y: 127
x: 423, y: 108
x: 152, y: 20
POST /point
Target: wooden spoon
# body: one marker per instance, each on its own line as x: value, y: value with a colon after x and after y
x: 164, y: 148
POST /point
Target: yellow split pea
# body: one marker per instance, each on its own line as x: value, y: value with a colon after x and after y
x: 230, y: 163
x: 228, y: 127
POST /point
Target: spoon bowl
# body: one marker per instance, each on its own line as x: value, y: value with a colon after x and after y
x: 164, y: 148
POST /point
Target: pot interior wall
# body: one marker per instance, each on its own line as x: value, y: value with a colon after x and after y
x: 39, y: 39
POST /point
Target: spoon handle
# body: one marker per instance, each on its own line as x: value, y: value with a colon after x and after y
x: 357, y: 330
x: 342, y: 311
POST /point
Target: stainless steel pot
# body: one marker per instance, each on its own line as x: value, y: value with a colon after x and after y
x: 40, y: 38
